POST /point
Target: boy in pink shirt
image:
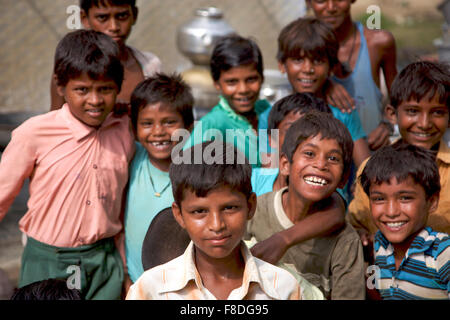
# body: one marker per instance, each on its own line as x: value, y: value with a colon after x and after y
x: 77, y: 161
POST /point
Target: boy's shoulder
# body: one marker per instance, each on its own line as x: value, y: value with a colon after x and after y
x: 379, y: 38
x: 149, y: 62
x: 39, y: 122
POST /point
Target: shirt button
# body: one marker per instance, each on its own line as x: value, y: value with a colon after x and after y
x: 88, y: 202
x: 94, y: 166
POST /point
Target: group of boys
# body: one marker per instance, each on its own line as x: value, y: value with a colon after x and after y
x: 100, y: 177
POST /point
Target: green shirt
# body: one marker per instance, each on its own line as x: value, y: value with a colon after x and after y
x: 222, y: 122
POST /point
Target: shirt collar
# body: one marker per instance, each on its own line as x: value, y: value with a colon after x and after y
x: 260, y: 107
x: 443, y: 152
x: 421, y: 243
x: 189, y: 272
x: 81, y: 130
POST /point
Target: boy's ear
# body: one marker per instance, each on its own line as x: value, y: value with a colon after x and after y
x: 176, y: 211
x: 84, y: 19
x: 217, y: 86
x: 434, y: 202
x: 251, y: 202
x: 281, y: 67
x: 391, y: 114
x: 59, y: 89
x: 285, y: 165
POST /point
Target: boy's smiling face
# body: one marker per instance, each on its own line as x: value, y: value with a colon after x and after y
x: 216, y: 222
x: 333, y: 12
x: 89, y: 100
x: 240, y: 86
x: 155, y: 125
x: 400, y: 209
x: 306, y: 74
x: 421, y: 123
x: 316, y: 169
x: 115, y: 21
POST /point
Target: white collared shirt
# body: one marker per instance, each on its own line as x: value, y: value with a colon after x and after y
x: 179, y: 279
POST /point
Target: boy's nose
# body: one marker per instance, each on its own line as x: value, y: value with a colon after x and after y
x: 307, y: 66
x: 157, y: 129
x: 216, y: 223
x: 95, y: 98
x: 242, y: 87
x: 321, y: 163
x: 424, y: 122
x: 114, y: 25
x: 392, y: 209
x: 331, y: 6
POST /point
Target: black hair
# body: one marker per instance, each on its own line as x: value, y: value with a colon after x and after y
x: 50, y: 289
x: 170, y: 90
x: 297, y: 102
x: 400, y: 161
x: 87, y: 4
x: 207, y: 166
x: 314, y: 123
x: 310, y: 37
x: 87, y: 51
x: 233, y: 51
x: 165, y: 240
x: 419, y: 80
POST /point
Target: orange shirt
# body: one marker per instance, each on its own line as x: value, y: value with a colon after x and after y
x: 77, y: 177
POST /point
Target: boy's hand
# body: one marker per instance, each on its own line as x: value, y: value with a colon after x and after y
x: 270, y: 250
x: 338, y: 97
x: 379, y: 137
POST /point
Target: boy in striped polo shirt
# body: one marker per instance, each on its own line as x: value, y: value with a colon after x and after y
x: 402, y: 183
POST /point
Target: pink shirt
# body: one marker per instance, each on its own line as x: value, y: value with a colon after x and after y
x: 77, y: 177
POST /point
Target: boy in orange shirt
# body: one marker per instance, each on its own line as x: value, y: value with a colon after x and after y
x: 77, y: 161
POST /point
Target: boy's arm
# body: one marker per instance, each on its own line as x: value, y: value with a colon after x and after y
x: 388, y: 57
x: 56, y: 100
x: 318, y: 224
x: 17, y: 164
x: 360, y: 151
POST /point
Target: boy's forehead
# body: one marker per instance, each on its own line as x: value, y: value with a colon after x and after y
x: 396, y: 184
x: 86, y: 78
x: 108, y: 4
x: 319, y: 141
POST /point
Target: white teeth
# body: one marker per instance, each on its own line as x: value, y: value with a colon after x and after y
x: 306, y: 81
x: 425, y: 135
x: 315, y: 181
x: 395, y: 224
x: 163, y: 143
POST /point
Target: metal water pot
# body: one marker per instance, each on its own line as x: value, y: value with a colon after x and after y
x: 197, y: 37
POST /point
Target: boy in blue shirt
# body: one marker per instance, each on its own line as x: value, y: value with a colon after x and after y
x: 402, y: 183
x: 160, y: 105
x: 237, y: 72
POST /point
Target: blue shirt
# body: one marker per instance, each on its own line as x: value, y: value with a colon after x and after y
x: 361, y: 86
x: 142, y: 205
x: 351, y: 121
x: 424, y: 273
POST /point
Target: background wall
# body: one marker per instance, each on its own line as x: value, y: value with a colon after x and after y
x: 30, y: 30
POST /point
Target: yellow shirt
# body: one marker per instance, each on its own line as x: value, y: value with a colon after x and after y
x: 359, y: 211
x: 179, y: 279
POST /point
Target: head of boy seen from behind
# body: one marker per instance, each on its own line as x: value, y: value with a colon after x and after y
x: 289, y: 109
x: 213, y: 199
x: 307, y: 52
x: 160, y: 105
x: 316, y: 155
x: 420, y: 103
x: 237, y: 71
x: 403, y: 185
x: 88, y: 74
x: 114, y: 18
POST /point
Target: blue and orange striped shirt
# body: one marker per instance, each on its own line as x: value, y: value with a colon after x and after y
x: 424, y: 273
